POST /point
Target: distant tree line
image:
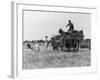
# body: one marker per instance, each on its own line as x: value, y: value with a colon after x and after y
x: 33, y: 41
x: 86, y: 43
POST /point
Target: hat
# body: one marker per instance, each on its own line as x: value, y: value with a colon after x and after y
x: 69, y: 20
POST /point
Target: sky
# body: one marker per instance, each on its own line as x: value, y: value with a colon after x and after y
x: 38, y: 24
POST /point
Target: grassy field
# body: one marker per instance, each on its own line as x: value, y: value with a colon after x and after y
x: 55, y: 59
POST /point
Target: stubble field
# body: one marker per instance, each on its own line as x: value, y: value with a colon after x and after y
x: 33, y: 59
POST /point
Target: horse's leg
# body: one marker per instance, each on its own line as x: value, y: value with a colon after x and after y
x: 78, y: 45
x: 74, y: 45
x: 61, y: 48
x: 70, y: 45
x: 53, y: 48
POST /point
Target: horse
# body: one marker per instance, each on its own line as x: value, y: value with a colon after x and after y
x: 71, y: 39
x: 56, y: 43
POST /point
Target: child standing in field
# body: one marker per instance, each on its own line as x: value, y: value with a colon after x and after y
x: 46, y: 42
x: 37, y: 46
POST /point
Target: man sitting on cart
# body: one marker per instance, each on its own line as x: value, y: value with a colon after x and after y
x: 71, y: 26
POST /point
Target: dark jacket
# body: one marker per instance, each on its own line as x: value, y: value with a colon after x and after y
x: 71, y: 26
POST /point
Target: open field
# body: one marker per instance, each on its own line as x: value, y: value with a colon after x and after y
x: 55, y: 59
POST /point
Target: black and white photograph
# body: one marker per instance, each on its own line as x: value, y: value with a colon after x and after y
x: 56, y: 39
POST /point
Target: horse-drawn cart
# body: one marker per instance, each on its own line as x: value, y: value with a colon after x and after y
x: 67, y: 40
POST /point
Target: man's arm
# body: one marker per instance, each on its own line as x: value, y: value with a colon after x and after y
x: 67, y: 25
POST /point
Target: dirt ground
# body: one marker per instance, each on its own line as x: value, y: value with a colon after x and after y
x: 33, y: 59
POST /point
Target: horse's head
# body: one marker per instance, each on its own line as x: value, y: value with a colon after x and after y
x: 61, y: 31
x: 81, y: 34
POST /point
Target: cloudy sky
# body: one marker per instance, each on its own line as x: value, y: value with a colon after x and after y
x: 38, y: 24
